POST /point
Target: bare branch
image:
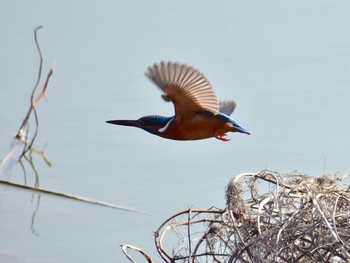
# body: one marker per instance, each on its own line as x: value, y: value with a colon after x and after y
x: 295, y: 218
x: 74, y: 197
x: 125, y: 248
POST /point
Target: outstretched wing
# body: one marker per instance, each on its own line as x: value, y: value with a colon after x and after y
x: 185, y: 86
x: 227, y: 106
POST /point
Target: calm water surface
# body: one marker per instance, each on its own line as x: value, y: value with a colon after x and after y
x: 285, y: 63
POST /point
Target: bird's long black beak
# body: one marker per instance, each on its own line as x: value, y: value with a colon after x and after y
x: 124, y: 122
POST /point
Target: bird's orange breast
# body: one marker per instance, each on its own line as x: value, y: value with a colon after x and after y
x: 196, y: 128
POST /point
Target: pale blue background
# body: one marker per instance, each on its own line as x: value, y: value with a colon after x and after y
x: 286, y: 63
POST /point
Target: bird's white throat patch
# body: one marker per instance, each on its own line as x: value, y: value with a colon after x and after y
x: 166, y: 126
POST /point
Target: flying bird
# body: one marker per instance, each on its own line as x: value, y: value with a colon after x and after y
x: 198, y: 112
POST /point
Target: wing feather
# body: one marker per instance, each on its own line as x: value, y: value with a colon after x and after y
x: 185, y: 86
x: 227, y: 106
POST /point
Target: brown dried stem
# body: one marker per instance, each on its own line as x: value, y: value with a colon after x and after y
x: 22, y: 133
x: 294, y: 218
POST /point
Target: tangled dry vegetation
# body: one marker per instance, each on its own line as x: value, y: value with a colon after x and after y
x: 268, y: 218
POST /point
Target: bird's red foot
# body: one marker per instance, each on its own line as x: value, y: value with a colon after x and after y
x: 222, y: 137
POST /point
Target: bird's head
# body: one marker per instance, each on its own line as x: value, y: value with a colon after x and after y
x: 154, y: 124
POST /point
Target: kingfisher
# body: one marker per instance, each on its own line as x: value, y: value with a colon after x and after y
x: 198, y: 112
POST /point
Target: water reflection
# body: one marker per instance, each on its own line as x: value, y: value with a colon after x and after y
x: 37, y: 197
